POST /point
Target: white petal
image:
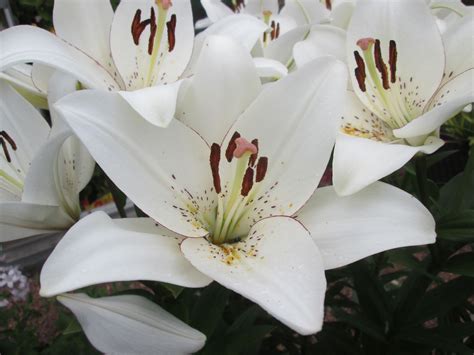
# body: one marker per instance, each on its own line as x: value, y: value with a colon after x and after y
x: 448, y: 101
x: 215, y: 9
x: 295, y: 121
x: 409, y: 23
x: 458, y: 45
x: 143, y: 65
x: 20, y: 220
x: 98, y: 249
x: 40, y: 75
x: 322, y: 40
x: 269, y: 68
x: 281, y: 49
x: 304, y: 12
x: 86, y: 25
x: 130, y: 324
x: 341, y: 14
x: 149, y: 164
x: 156, y: 104
x: 244, y: 29
x: 358, y: 162
x: 379, y: 218
x: 224, y: 84
x: 292, y: 291
x: 203, y: 23
x: 22, y: 44
x: 257, y: 7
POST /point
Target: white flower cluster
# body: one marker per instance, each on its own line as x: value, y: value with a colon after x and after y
x: 222, y: 138
x: 13, y: 282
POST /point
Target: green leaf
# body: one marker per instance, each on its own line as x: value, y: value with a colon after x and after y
x: 458, y: 194
x: 208, y: 309
x: 439, y: 156
x: 246, y: 319
x: 434, y: 340
x: 360, y: 322
x: 456, y: 330
x: 457, y: 227
x: 175, y: 290
x: 461, y: 264
x: 73, y: 327
x: 442, y: 299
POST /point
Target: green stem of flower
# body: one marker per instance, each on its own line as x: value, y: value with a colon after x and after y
x: 422, y: 179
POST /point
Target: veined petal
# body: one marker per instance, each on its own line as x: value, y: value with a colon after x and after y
x: 378, y: 218
x: 244, y: 29
x: 224, y: 85
x: 269, y: 68
x: 447, y: 102
x: 131, y: 324
x: 98, y: 249
x: 292, y: 291
x: 22, y: 44
x: 150, y: 45
x: 157, y: 161
x: 86, y: 25
x: 216, y: 9
x: 295, y: 121
x: 20, y: 219
x: 458, y: 45
x: 322, y: 40
x: 358, y: 162
x: 420, y: 52
x: 156, y: 104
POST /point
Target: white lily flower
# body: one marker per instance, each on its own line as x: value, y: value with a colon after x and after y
x: 229, y: 191
x: 140, y: 50
x: 42, y: 171
x: 403, y: 91
x: 274, y: 41
x: 132, y: 324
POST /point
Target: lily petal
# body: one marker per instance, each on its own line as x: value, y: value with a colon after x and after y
x: 281, y: 49
x: 378, y: 218
x: 166, y: 169
x: 130, y: 324
x: 295, y: 121
x: 448, y: 101
x: 408, y: 23
x: 148, y: 58
x: 458, y: 44
x: 244, y: 29
x: 224, y: 84
x: 322, y: 40
x: 216, y: 9
x: 20, y: 219
x: 86, y: 25
x: 22, y: 44
x: 304, y: 12
x: 269, y: 68
x: 358, y: 162
x: 98, y: 249
x: 156, y: 104
x: 292, y: 292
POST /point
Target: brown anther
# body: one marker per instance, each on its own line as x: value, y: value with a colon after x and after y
x: 214, y: 160
x: 151, y: 40
x: 5, y: 150
x: 392, y: 60
x: 9, y: 139
x: 360, y: 71
x: 171, y: 27
x: 277, y: 31
x: 229, y: 153
x: 262, y: 166
x: 253, y: 157
x: 380, y: 64
x: 328, y: 4
x: 138, y: 26
x: 272, y: 33
x: 247, y: 182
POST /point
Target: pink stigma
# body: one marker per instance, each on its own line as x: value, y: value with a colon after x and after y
x: 364, y: 43
x: 243, y: 146
x: 165, y: 4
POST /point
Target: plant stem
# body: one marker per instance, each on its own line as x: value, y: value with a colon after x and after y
x: 422, y: 179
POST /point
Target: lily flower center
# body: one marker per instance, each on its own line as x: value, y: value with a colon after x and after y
x: 157, y: 29
x: 12, y: 177
x: 385, y: 91
x: 249, y: 171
